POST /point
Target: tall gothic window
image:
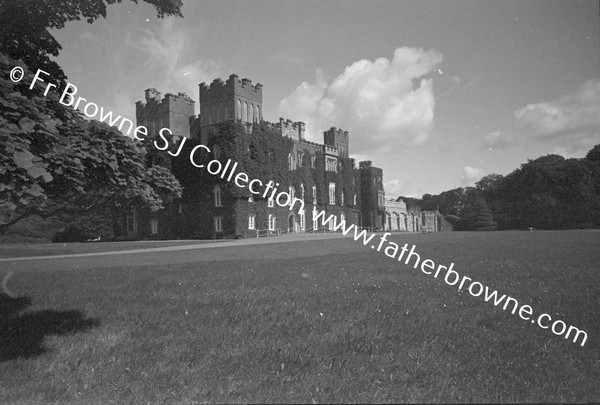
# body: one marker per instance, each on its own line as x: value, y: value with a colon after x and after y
x: 332, y: 193
x: 218, y: 197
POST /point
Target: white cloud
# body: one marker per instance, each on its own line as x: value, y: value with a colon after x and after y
x: 470, y: 176
x: 380, y: 102
x: 396, y: 187
x: 498, y: 139
x: 571, y: 122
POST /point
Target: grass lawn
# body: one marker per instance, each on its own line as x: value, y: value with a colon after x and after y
x: 336, y: 327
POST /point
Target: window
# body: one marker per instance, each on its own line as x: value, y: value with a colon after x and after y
x: 154, y: 226
x: 218, y: 224
x: 238, y: 110
x: 291, y: 162
x: 217, y: 152
x: 245, y: 112
x: 354, y: 199
x: 302, y: 220
x: 218, y: 197
x: 272, y: 222
x: 250, y: 112
x: 342, y: 198
x: 332, y: 193
x: 331, y: 164
x: 251, y: 222
x: 270, y: 202
x: 132, y: 221
x: 332, y: 222
x: 314, y: 194
x: 257, y: 115
x: 314, y: 218
x: 292, y: 193
x: 300, y: 157
x: 313, y: 158
x: 302, y: 192
x: 179, y: 208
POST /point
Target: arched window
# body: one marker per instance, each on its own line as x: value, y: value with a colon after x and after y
x: 342, y: 198
x: 218, y: 197
x: 292, y: 193
x: 272, y: 222
x: 302, y: 192
x: 302, y: 220
x: 238, y: 110
x: 250, y: 113
x: 332, y: 193
x: 245, y: 112
x: 314, y: 194
x: 257, y: 115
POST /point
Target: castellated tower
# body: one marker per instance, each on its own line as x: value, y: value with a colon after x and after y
x: 338, y: 139
x: 373, y: 195
x: 232, y: 99
x: 173, y: 111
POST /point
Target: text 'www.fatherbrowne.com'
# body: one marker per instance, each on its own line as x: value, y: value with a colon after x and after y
x: 451, y: 277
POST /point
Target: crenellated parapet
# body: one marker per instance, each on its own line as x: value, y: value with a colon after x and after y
x: 231, y: 99
x: 172, y: 111
x: 339, y: 139
x: 290, y: 129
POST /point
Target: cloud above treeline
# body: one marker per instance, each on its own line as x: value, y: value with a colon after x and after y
x: 470, y: 176
x: 383, y: 103
x: 570, y: 124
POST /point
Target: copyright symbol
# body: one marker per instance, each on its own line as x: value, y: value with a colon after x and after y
x: 16, y: 74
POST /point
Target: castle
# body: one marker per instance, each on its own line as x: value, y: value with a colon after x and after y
x: 230, y: 122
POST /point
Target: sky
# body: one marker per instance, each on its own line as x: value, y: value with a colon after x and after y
x: 436, y: 93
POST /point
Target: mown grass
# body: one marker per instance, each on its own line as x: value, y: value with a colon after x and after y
x: 353, y: 327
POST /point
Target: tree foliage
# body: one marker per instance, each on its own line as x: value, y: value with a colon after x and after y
x: 550, y: 192
x: 53, y: 161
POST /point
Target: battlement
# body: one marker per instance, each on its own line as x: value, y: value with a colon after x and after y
x: 232, y: 83
x: 153, y: 96
x: 338, y: 138
x: 230, y: 99
x: 173, y: 111
x: 291, y: 129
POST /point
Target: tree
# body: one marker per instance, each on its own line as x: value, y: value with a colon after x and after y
x: 25, y: 24
x: 475, y: 215
x: 594, y: 154
x: 55, y: 162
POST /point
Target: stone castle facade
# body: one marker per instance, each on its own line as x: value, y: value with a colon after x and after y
x: 321, y: 174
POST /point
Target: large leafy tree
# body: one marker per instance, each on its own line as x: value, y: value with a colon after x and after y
x: 25, y: 25
x: 53, y: 162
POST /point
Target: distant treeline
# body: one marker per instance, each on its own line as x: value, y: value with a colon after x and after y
x: 550, y: 192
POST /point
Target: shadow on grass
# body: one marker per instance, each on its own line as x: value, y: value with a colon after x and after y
x: 22, y: 333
